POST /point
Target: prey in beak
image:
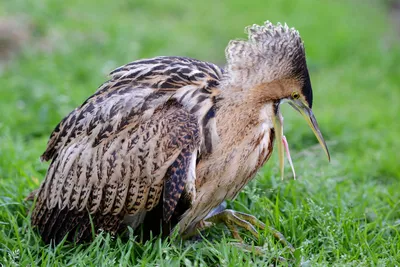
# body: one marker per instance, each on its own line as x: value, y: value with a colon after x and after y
x: 282, y: 143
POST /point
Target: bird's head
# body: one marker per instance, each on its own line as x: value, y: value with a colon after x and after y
x: 271, y: 67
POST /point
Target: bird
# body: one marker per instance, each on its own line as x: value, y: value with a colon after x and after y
x: 167, y: 140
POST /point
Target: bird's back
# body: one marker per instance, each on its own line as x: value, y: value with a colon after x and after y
x: 130, y: 149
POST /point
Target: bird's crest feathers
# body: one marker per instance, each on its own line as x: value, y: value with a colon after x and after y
x: 271, y: 51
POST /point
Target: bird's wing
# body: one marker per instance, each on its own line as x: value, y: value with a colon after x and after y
x: 111, y: 154
x: 144, y: 85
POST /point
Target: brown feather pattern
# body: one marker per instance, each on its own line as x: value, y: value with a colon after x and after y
x: 168, y: 139
x: 110, y: 156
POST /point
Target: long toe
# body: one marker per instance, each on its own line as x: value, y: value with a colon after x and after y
x: 257, y: 223
x: 233, y: 219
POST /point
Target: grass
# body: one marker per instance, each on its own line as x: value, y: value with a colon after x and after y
x: 346, y: 213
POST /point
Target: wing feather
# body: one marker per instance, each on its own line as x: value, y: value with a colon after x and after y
x: 111, y: 154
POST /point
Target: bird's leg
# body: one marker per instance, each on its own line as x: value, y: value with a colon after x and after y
x: 233, y: 219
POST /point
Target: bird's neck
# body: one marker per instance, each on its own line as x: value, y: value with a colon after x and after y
x: 241, y: 116
x: 245, y: 141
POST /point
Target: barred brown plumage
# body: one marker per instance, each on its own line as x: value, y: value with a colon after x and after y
x: 168, y: 139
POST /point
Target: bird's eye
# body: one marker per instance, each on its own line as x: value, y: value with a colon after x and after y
x: 295, y: 95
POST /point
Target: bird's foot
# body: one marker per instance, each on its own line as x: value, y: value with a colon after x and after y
x: 233, y: 219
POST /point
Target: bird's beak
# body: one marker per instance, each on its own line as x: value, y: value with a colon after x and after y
x: 282, y: 144
x: 308, y: 115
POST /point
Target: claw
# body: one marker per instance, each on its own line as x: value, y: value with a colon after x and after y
x: 232, y: 219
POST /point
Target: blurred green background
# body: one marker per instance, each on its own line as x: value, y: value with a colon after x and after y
x: 54, y: 54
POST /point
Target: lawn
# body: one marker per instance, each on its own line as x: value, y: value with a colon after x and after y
x: 342, y: 213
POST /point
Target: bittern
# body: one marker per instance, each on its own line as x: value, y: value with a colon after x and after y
x: 166, y: 140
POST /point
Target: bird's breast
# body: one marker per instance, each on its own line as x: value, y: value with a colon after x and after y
x: 259, y: 150
x: 228, y: 173
x: 243, y: 149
